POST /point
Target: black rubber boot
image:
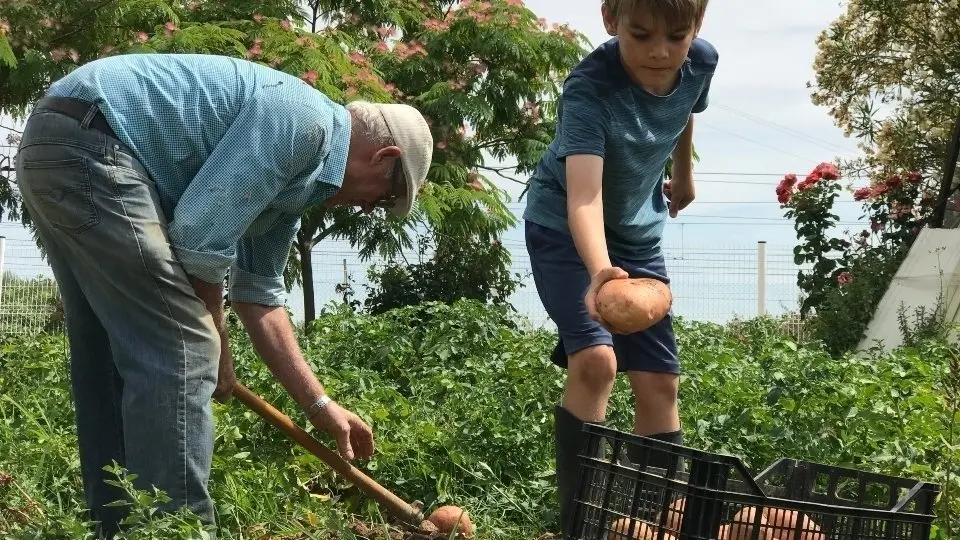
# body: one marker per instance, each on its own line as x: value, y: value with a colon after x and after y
x: 659, y: 460
x: 651, y: 496
x: 568, y: 442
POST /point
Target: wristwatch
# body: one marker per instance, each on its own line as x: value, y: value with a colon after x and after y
x: 318, y: 405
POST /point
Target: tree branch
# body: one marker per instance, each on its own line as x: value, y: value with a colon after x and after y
x: 330, y: 230
x: 76, y: 29
x: 498, y: 172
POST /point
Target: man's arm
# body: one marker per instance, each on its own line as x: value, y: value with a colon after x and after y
x: 273, y: 338
x: 212, y: 296
x: 256, y: 295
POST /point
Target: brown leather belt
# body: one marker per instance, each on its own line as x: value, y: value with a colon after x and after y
x: 77, y: 109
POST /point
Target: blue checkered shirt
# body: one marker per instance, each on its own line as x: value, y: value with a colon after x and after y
x: 237, y: 151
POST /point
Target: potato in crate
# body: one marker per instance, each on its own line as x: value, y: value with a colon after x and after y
x: 710, y: 496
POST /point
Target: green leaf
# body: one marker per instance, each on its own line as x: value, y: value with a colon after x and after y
x: 6, y: 52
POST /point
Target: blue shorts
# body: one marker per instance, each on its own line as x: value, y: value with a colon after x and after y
x: 562, y: 280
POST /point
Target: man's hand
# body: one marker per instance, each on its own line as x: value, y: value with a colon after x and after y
x: 680, y: 191
x: 354, y: 437
x: 601, y: 277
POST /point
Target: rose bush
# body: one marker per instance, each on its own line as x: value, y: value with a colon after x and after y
x: 845, y: 276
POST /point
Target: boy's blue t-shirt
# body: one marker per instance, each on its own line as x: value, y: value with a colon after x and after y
x: 603, y: 112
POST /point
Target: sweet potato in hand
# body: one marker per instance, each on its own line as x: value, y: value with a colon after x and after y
x: 633, y: 304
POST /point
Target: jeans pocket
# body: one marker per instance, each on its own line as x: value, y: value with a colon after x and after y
x: 62, y: 192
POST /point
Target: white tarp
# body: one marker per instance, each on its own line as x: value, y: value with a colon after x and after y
x: 932, y: 265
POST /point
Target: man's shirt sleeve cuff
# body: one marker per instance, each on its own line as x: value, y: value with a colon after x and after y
x: 254, y: 289
x: 206, y: 266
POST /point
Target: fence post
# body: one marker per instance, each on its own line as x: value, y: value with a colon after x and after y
x: 761, y: 278
x: 3, y: 247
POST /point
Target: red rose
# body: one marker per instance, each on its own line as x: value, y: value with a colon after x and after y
x: 879, y: 190
x: 861, y: 194
x: 785, y: 188
x: 827, y: 171
x: 808, y: 182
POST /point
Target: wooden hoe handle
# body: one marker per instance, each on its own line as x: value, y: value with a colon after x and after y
x: 395, y: 505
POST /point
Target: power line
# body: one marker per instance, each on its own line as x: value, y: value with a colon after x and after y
x: 780, y: 127
x: 758, y: 143
x: 700, y: 201
x: 734, y: 173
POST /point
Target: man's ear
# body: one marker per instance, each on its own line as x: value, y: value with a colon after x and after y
x: 386, y: 152
x: 609, y: 22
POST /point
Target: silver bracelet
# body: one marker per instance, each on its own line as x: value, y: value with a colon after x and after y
x: 318, y: 405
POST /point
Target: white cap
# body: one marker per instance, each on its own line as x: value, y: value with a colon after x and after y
x: 412, y: 135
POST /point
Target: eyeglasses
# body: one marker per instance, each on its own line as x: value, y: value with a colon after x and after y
x: 398, y: 187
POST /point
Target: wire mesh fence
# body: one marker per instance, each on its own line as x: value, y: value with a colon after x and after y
x: 29, y: 299
x: 716, y: 284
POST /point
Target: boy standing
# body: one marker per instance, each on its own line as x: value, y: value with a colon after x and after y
x: 597, y: 205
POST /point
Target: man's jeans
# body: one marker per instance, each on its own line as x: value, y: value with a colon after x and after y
x: 143, y: 347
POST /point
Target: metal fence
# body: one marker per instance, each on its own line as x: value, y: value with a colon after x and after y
x: 29, y: 301
x: 717, y: 284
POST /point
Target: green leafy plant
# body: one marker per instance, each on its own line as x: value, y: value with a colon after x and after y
x: 143, y: 519
x: 458, y: 269
x: 460, y: 397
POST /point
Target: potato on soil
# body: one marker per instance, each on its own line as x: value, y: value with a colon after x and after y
x: 633, y: 304
x: 620, y: 530
x: 445, y: 518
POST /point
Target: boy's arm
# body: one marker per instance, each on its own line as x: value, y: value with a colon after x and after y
x: 680, y: 189
x: 582, y: 145
x: 683, y: 153
x: 585, y: 217
x: 585, y: 210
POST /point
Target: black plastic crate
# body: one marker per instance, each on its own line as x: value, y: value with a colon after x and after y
x: 709, y: 496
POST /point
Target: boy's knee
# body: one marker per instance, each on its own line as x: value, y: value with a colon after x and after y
x: 593, y: 368
x: 654, y: 390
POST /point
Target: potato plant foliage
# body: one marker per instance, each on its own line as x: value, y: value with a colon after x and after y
x: 460, y: 397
